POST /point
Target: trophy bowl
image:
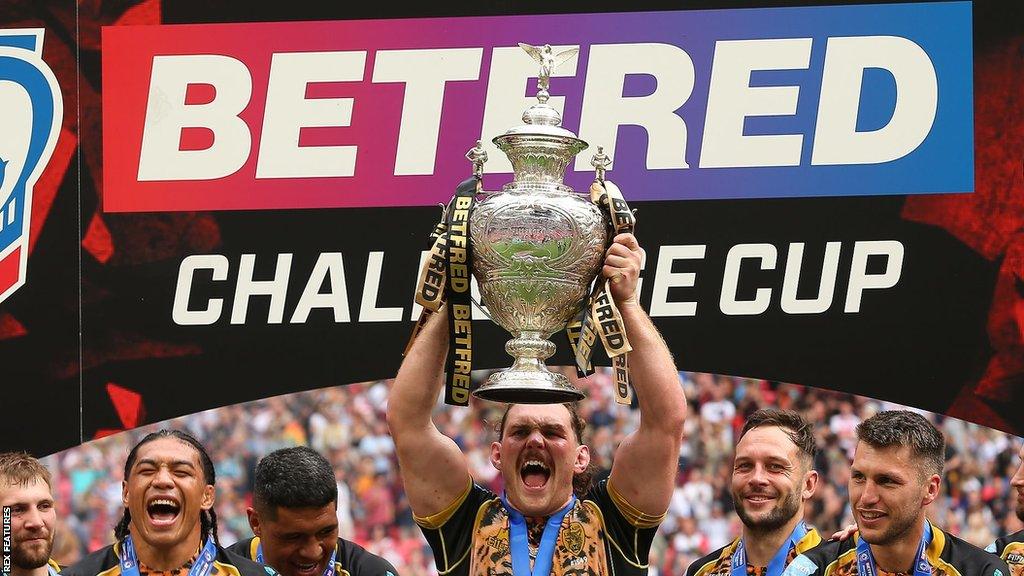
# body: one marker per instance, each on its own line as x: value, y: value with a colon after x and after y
x: 537, y: 246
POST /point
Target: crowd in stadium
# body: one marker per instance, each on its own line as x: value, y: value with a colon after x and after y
x: 347, y: 425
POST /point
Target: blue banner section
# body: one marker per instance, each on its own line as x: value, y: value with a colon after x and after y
x: 823, y: 101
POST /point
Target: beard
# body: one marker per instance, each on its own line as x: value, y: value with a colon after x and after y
x: 776, y: 518
x: 31, y: 558
x: 1020, y: 511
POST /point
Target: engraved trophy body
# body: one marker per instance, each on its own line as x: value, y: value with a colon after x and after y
x: 537, y: 248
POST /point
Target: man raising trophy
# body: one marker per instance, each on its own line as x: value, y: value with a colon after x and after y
x: 543, y: 524
x: 535, y: 248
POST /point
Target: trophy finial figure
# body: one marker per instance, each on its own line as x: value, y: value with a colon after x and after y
x: 477, y: 155
x: 548, y: 60
x: 600, y: 162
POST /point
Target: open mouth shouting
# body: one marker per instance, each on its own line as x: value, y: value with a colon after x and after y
x: 535, y: 473
x: 162, y: 511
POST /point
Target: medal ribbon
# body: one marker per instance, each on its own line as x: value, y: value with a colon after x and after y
x: 519, y: 543
x: 202, y: 567
x: 777, y: 565
x: 866, y: 560
x: 329, y: 571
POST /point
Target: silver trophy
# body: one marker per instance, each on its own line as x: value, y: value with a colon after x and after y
x: 537, y: 247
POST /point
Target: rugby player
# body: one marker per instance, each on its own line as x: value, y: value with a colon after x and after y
x: 169, y: 525
x: 772, y: 479
x: 25, y: 493
x: 895, y: 475
x: 549, y: 520
x: 294, y: 517
x: 1011, y: 548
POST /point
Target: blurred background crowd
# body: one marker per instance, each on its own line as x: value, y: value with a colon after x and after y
x: 347, y: 425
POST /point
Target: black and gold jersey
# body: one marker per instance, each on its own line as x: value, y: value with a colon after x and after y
x: 351, y: 560
x: 601, y: 534
x: 946, y: 554
x: 1011, y: 550
x: 107, y: 562
x: 719, y: 562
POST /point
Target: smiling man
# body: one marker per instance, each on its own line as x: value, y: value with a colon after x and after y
x: 549, y: 521
x: 896, y: 473
x: 294, y: 517
x: 169, y: 526
x: 772, y: 479
x: 25, y: 490
x: 1011, y: 548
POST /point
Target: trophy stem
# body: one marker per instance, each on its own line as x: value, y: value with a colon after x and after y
x: 530, y: 350
x: 529, y: 381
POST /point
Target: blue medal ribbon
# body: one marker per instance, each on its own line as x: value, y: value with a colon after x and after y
x: 519, y: 543
x: 202, y: 567
x: 866, y: 560
x: 329, y: 571
x: 778, y: 562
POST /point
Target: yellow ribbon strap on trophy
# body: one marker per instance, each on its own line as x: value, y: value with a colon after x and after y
x: 460, y: 305
x: 600, y: 317
x: 433, y: 277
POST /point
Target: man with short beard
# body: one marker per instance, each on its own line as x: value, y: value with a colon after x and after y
x: 26, y: 492
x: 169, y: 526
x: 896, y: 473
x: 1011, y: 548
x: 549, y: 521
x: 772, y: 478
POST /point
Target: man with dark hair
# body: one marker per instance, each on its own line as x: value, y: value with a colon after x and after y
x: 1011, y: 548
x: 169, y: 525
x: 26, y: 491
x: 294, y: 517
x: 542, y: 523
x: 896, y: 473
x: 772, y: 479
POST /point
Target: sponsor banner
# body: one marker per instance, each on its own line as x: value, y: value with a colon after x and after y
x: 174, y: 273
x: 746, y: 103
x: 840, y: 293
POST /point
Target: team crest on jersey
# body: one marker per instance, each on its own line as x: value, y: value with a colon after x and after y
x: 574, y: 538
x: 31, y: 110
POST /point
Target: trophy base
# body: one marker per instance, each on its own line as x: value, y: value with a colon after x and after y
x: 528, y: 387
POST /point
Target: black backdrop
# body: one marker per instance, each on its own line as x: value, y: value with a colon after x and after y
x: 88, y: 345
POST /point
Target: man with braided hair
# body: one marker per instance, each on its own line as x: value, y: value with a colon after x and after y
x: 25, y: 490
x: 169, y: 525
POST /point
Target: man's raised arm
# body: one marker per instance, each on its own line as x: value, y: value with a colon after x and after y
x: 433, y: 468
x: 644, y: 467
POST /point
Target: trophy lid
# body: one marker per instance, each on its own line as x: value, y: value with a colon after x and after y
x: 540, y: 119
x: 541, y: 130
